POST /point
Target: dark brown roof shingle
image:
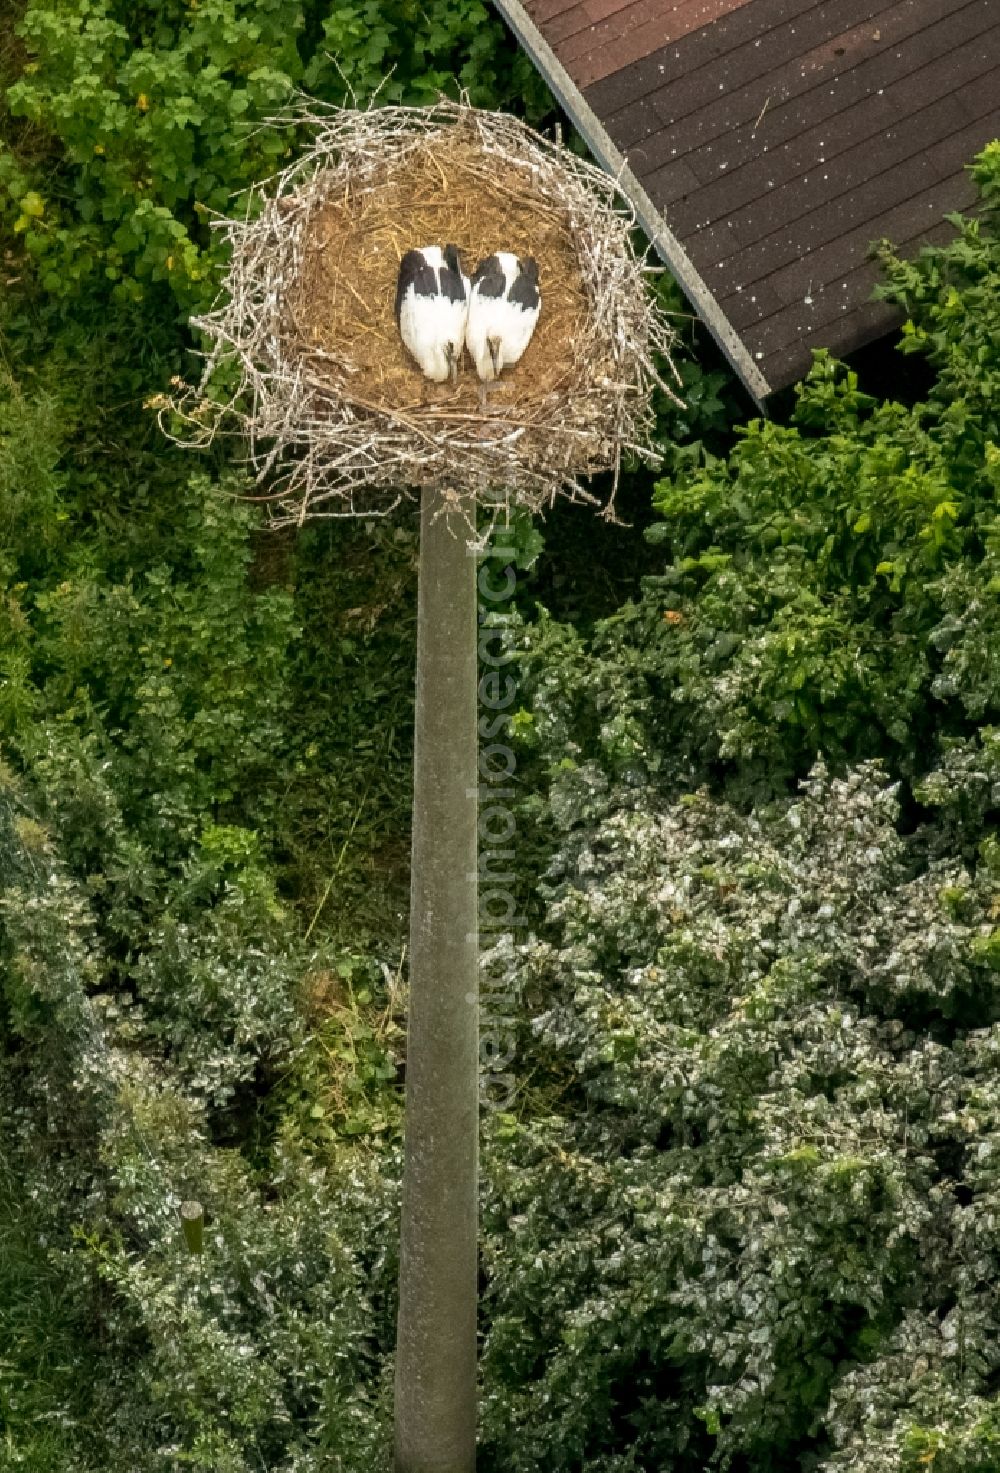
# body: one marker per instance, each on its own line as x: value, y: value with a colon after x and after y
x: 779, y: 138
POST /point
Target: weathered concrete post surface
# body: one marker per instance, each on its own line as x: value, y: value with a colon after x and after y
x: 435, y: 1391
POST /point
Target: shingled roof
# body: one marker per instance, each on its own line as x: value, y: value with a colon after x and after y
x: 767, y: 143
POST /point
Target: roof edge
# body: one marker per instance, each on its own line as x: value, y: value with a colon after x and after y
x: 667, y: 246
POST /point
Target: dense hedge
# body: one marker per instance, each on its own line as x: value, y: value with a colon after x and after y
x: 759, y: 1220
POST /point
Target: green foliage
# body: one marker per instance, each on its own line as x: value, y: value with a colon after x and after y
x: 180, y: 669
x: 763, y: 1194
x: 745, y: 1217
x: 151, y: 115
x: 410, y: 53
x: 828, y: 585
x: 343, y: 822
x: 214, y: 1361
x: 154, y: 113
x: 180, y: 746
x: 338, y: 1089
x: 950, y: 296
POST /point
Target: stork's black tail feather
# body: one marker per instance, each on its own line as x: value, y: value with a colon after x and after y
x: 452, y: 285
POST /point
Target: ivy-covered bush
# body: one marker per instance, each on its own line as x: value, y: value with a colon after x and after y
x: 267, y: 1345
x: 756, y: 1224
x: 181, y: 1015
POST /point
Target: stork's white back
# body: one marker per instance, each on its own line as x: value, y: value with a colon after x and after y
x: 426, y: 324
x: 499, y: 319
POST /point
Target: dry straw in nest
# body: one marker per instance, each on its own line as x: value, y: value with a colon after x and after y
x: 338, y: 417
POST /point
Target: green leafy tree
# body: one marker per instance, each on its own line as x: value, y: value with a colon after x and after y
x: 155, y: 110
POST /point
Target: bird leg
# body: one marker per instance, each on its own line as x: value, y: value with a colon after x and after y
x: 486, y: 388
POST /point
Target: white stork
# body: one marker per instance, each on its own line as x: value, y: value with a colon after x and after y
x: 503, y: 309
x: 432, y: 305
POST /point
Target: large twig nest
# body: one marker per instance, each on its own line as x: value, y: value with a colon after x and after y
x: 338, y: 417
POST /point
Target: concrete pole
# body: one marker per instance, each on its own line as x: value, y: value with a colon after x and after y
x: 435, y: 1390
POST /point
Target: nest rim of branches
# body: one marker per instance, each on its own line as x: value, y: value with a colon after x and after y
x: 327, y: 438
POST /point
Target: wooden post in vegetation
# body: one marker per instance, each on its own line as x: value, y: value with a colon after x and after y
x: 436, y: 1337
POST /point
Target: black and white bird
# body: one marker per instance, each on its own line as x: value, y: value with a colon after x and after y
x: 503, y: 310
x: 432, y: 306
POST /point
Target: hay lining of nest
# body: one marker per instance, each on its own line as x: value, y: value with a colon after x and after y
x: 338, y: 418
